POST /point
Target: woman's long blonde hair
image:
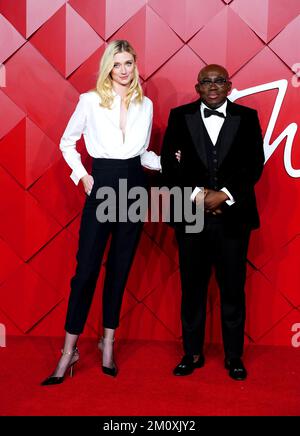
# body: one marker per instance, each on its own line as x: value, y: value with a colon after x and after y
x: 104, y: 81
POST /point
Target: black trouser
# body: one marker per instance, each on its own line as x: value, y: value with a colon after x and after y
x: 93, y: 237
x: 197, y: 254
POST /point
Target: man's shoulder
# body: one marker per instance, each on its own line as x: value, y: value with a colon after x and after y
x: 186, y: 108
x: 241, y: 109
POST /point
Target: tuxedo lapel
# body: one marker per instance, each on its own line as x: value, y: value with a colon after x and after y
x: 227, y: 134
x: 196, y: 128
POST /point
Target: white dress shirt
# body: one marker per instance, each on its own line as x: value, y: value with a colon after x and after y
x: 103, y: 136
x: 213, y: 125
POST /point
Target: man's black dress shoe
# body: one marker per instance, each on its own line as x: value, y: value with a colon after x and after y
x: 237, y: 371
x: 187, y: 365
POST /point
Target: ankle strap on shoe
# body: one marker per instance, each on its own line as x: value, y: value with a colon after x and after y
x: 69, y: 352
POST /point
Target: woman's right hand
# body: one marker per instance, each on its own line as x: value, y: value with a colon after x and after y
x: 88, y: 182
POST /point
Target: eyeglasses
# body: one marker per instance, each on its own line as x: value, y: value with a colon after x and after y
x: 219, y: 82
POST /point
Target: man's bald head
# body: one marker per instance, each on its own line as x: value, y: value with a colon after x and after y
x: 213, y: 67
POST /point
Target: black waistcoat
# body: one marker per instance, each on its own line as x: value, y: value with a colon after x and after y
x: 212, y: 154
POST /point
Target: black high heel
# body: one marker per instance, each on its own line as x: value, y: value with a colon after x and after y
x: 53, y: 380
x: 112, y: 371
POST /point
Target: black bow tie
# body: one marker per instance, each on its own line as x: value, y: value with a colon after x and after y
x: 209, y: 112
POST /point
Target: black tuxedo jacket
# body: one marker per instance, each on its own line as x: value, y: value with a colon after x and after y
x: 240, y: 160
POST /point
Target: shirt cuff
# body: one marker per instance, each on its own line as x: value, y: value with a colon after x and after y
x: 195, y: 192
x: 150, y: 160
x: 76, y: 176
x: 231, y: 200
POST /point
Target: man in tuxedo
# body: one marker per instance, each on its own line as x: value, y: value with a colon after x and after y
x: 222, y: 151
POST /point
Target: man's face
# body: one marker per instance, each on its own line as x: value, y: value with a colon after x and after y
x: 213, y: 86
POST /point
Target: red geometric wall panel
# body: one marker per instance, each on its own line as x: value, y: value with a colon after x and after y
x: 107, y: 16
x: 188, y: 16
x: 28, y: 15
x: 173, y: 85
x: 25, y: 225
x: 280, y: 45
x: 62, y: 210
x: 10, y: 41
x: 20, y: 293
x: 85, y: 77
x: 49, y: 54
x: 278, y: 225
x: 11, y: 114
x: 9, y: 261
x: 267, y: 17
x: 283, y: 272
x: 46, y: 97
x: 66, y: 40
x: 36, y: 152
x: 226, y: 49
x: 146, y: 30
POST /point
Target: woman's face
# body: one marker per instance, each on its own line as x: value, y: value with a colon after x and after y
x: 123, y: 69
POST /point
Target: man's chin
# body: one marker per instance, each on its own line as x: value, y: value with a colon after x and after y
x: 214, y: 104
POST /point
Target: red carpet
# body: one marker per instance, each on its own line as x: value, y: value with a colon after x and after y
x: 145, y: 384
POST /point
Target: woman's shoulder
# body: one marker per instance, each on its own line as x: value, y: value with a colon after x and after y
x: 91, y: 95
x: 147, y: 102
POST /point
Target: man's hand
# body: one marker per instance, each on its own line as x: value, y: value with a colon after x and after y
x: 178, y: 155
x: 88, y: 182
x: 216, y: 212
x: 199, y: 199
x: 213, y: 201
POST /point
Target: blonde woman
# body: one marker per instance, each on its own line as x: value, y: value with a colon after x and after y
x: 115, y: 120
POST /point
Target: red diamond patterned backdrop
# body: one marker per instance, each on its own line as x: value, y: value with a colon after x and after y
x: 49, y: 54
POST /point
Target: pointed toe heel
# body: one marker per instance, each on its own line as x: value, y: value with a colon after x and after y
x: 112, y: 371
x: 53, y: 380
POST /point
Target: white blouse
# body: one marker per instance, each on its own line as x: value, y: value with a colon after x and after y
x: 103, y: 136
